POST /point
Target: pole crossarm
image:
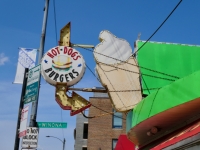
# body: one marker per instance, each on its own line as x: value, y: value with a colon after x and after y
x: 88, y: 90
x: 82, y: 45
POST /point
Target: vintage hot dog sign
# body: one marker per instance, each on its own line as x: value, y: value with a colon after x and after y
x: 62, y: 64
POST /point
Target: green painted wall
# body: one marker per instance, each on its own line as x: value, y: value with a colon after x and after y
x: 173, y: 59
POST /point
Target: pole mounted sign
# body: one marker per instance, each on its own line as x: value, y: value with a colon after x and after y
x: 63, y: 64
x: 32, y: 85
x: 51, y: 125
x: 31, y: 138
x: 23, y: 124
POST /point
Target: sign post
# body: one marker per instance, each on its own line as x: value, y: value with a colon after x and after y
x: 31, y: 138
x: 32, y: 86
x: 23, y: 124
x: 21, y: 105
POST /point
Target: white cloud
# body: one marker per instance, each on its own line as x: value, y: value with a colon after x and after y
x: 3, y: 59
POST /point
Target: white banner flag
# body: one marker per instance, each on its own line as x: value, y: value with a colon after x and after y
x: 27, y: 58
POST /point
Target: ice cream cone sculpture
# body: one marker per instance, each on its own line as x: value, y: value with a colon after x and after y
x: 118, y: 71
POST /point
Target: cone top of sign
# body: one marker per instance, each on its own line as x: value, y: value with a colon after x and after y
x: 62, y: 64
x: 111, y: 46
x: 113, y: 56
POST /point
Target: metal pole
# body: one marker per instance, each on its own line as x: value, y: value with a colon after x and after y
x: 21, y: 104
x: 64, y: 144
x: 89, y: 90
x: 41, y: 51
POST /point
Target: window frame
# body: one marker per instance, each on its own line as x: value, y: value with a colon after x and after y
x: 84, y: 132
x: 84, y: 148
x: 113, y: 143
x: 113, y: 120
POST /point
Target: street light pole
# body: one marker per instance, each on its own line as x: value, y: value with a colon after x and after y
x: 33, y: 117
x: 63, y: 142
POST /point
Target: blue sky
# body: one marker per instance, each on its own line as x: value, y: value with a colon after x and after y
x: 21, y: 24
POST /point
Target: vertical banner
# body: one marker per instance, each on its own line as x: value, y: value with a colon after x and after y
x: 27, y: 58
x: 23, y: 124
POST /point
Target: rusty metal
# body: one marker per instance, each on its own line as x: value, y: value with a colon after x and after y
x: 75, y: 103
x: 65, y: 35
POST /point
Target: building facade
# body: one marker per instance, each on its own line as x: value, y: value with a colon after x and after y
x: 102, y: 131
x: 80, y: 133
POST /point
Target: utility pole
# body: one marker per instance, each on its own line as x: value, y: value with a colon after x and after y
x: 41, y: 52
x: 21, y: 104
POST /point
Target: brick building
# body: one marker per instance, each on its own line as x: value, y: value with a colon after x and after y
x: 103, y: 132
x: 100, y: 133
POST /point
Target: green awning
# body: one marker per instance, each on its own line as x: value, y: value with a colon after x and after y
x: 173, y: 60
x: 175, y: 94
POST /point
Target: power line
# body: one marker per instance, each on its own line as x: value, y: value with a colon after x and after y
x: 112, y: 87
x: 99, y: 109
x: 93, y: 73
x: 124, y: 90
x: 140, y: 73
x: 107, y: 112
x: 54, y: 6
x: 130, y: 63
x: 159, y: 26
x: 135, y: 90
x: 96, y: 115
x: 153, y: 102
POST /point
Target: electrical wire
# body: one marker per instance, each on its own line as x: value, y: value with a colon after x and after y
x: 107, y: 112
x: 130, y: 63
x: 153, y: 102
x: 93, y: 73
x: 159, y: 26
x: 102, y: 109
x: 95, y: 116
x: 87, y: 116
x: 139, y: 73
x: 113, y: 88
x: 148, y: 89
x: 150, y: 38
x: 54, y: 6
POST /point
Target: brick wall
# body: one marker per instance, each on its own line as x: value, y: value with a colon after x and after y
x: 100, y: 131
